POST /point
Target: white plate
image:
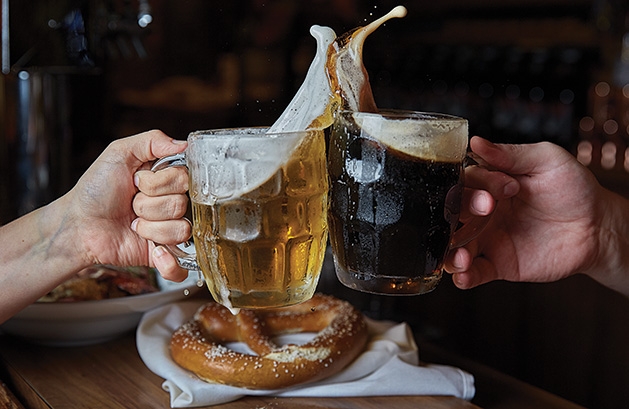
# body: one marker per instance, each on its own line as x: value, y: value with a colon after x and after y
x: 91, y: 322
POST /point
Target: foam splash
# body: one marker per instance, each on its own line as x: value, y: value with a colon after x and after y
x: 335, y: 79
x: 312, y: 105
x: 352, y: 80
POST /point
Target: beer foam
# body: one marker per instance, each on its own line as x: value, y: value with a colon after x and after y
x: 310, y: 109
x: 426, y: 137
x: 236, y: 162
x: 312, y: 105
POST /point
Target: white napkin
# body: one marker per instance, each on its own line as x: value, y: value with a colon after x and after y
x: 388, y: 366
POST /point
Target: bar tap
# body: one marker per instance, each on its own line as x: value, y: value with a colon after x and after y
x: 5, y: 39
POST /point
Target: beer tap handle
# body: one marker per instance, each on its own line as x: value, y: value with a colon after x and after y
x: 144, y: 14
x: 6, y: 46
x: 139, y: 47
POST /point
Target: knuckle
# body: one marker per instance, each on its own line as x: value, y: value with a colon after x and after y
x: 178, y: 206
x: 147, y: 185
x: 185, y: 230
x: 180, y: 182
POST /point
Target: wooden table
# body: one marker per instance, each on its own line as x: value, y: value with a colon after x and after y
x: 112, y: 375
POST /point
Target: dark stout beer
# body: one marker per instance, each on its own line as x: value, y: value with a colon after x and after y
x: 391, y: 212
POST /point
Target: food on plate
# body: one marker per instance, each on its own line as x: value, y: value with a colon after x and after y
x: 199, y: 345
x: 102, y: 282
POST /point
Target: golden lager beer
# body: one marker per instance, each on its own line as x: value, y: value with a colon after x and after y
x: 259, y: 204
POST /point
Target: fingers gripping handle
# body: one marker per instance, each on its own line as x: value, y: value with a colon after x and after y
x: 469, y: 231
x: 184, y: 259
x: 178, y: 159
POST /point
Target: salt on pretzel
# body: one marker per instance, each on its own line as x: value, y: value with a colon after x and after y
x: 198, y: 345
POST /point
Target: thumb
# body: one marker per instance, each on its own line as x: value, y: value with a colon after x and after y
x: 167, y: 266
x: 150, y: 145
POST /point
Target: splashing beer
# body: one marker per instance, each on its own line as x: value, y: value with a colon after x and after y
x: 264, y: 246
x: 259, y: 197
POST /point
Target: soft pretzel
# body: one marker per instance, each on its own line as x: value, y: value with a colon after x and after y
x: 198, y: 345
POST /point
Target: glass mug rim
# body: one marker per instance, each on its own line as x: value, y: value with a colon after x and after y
x: 256, y: 132
x: 426, y: 116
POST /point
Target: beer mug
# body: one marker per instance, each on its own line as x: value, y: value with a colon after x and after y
x: 259, y: 203
x: 396, y: 181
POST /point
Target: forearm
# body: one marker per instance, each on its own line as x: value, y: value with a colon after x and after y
x: 37, y: 253
x: 612, y: 266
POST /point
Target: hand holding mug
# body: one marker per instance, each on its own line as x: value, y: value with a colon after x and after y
x: 259, y: 203
x: 395, y: 197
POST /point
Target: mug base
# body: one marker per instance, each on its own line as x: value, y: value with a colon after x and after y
x: 265, y: 299
x: 387, y: 285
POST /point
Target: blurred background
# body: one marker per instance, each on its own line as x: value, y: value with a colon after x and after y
x: 77, y: 74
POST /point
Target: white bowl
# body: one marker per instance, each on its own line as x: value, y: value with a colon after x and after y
x: 91, y: 322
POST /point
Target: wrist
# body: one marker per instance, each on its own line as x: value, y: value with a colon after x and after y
x: 60, y: 235
x: 612, y: 264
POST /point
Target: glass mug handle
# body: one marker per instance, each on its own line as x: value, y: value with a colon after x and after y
x: 184, y: 259
x: 469, y: 231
